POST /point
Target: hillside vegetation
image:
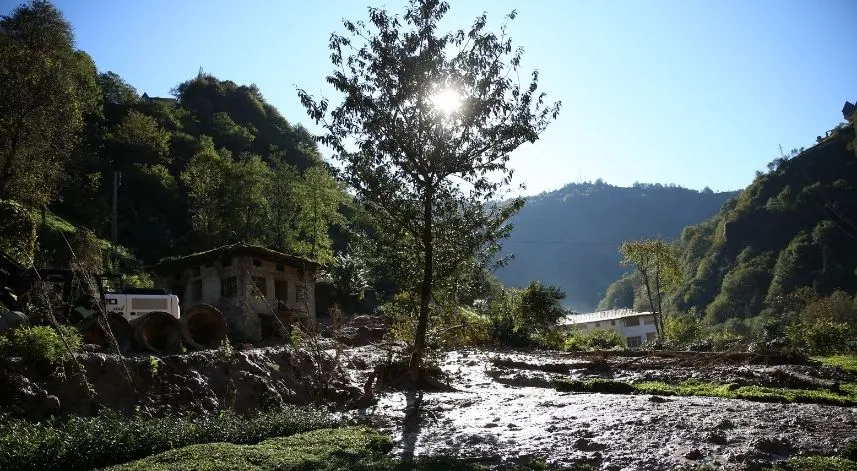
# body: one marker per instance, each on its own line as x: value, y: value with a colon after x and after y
x: 569, y: 237
x: 211, y: 164
x: 785, y: 243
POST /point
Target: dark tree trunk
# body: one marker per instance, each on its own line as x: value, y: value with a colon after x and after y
x: 659, y: 319
x: 645, y: 276
x: 425, y: 294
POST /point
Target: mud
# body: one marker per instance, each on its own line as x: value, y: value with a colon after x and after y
x: 200, y: 382
x: 503, y: 412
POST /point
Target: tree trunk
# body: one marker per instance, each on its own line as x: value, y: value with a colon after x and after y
x: 659, y: 318
x: 425, y: 295
x: 645, y: 276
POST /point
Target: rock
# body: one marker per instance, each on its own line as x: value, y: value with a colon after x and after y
x: 658, y: 399
x: 774, y: 446
x: 11, y: 320
x: 363, y: 336
x: 717, y: 438
x: 694, y: 455
x: 92, y: 348
x: 724, y: 424
x: 586, y: 444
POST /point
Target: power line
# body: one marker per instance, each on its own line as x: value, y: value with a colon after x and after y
x: 560, y: 242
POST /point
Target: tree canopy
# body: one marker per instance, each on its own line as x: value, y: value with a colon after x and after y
x: 424, y: 131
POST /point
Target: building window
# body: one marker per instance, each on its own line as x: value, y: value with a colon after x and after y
x: 195, y: 272
x: 229, y: 287
x: 651, y: 336
x: 649, y: 320
x: 597, y: 324
x: 632, y: 321
x: 257, y: 263
x: 634, y: 342
x: 259, y: 286
x: 195, y: 292
x: 281, y: 290
x: 227, y: 262
x: 280, y: 267
x: 612, y: 321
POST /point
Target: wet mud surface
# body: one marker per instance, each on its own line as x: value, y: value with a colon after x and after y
x: 504, y: 411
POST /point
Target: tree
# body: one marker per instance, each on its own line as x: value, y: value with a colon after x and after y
x: 115, y: 90
x: 425, y: 129
x: 206, y: 178
x: 44, y: 92
x: 138, y: 139
x: 659, y: 268
x: 540, y: 305
x: 319, y: 198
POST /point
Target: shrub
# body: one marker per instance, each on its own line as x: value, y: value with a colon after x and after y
x: 826, y: 336
x: 595, y: 339
x: 41, y: 345
x: 449, y: 326
x: 94, y: 442
x: 682, y: 329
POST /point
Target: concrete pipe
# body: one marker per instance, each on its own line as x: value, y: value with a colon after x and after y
x: 92, y: 330
x: 203, y: 327
x: 158, y: 332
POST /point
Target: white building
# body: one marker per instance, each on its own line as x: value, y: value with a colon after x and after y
x: 635, y: 327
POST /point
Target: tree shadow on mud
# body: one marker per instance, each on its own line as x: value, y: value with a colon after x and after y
x: 411, y: 424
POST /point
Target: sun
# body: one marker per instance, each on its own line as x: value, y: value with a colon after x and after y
x: 446, y: 100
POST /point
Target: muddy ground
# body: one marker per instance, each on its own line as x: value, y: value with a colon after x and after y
x: 504, y: 411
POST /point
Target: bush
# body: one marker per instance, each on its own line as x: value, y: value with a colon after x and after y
x: 826, y: 336
x: 94, y: 442
x: 41, y: 345
x: 595, y: 339
x: 682, y: 329
x: 449, y: 326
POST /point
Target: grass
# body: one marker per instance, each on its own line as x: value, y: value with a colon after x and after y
x: 847, y: 396
x: 86, y: 443
x: 846, y: 362
x: 325, y: 449
x: 816, y: 463
x: 352, y: 448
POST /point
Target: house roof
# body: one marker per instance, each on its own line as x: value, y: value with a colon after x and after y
x: 573, y: 319
x: 849, y: 109
x: 240, y: 249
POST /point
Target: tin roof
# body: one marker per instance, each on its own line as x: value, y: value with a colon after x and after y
x: 208, y: 256
x: 572, y: 319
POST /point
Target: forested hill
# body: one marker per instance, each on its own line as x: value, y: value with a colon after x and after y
x: 794, y: 227
x: 570, y: 237
x: 210, y: 164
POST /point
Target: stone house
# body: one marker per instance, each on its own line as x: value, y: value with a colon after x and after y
x: 258, y: 290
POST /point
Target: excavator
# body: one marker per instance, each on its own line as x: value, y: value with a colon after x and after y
x: 145, y: 319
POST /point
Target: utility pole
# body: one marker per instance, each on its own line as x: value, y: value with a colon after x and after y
x: 114, y: 226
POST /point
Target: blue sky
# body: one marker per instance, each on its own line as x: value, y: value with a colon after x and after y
x: 697, y: 93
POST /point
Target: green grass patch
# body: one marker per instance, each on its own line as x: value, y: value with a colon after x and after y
x: 816, y: 463
x: 56, y: 223
x: 93, y: 442
x: 751, y: 393
x: 846, y: 362
x: 846, y: 397
x: 351, y: 448
x: 326, y: 449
